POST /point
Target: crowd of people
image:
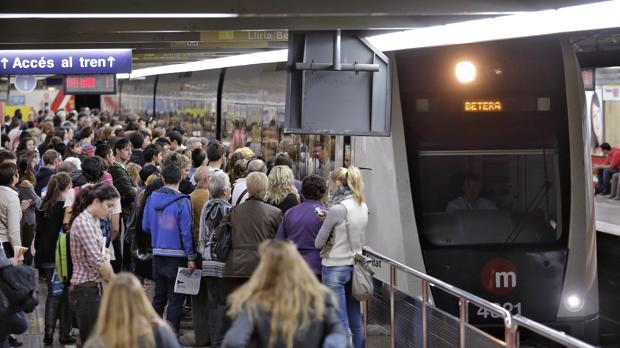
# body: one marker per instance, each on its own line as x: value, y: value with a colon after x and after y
x: 102, y: 206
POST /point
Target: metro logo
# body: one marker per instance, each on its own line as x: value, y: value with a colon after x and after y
x: 499, y: 276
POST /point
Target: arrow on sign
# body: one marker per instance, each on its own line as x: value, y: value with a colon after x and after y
x: 4, y: 61
x: 111, y: 60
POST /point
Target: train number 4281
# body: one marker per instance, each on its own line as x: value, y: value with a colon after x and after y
x: 512, y: 308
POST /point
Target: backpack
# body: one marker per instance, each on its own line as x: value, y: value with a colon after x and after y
x: 222, y: 240
x: 205, y: 235
x: 64, y: 266
x: 19, y: 285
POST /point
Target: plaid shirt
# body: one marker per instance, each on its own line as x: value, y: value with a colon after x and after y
x: 86, y: 249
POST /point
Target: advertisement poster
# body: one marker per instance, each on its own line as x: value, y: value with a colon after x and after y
x: 594, y: 107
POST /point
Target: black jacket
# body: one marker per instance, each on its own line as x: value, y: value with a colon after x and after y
x: 137, y: 157
x: 320, y: 333
x: 43, y: 177
x: 125, y: 186
x: 47, y: 230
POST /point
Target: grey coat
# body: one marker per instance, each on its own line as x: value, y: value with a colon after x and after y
x: 327, y: 333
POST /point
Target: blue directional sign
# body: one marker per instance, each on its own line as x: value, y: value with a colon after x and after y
x: 37, y: 62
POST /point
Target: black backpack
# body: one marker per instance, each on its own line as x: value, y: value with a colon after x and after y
x: 222, y: 241
x: 19, y: 286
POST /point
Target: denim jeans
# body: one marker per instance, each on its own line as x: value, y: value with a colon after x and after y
x: 338, y: 279
x: 85, y: 304
x: 165, y: 271
x: 604, y: 180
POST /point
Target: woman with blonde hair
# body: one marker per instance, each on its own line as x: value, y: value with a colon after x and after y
x: 133, y: 170
x: 283, y: 304
x: 127, y: 319
x: 246, y: 152
x: 282, y: 192
x: 340, y: 238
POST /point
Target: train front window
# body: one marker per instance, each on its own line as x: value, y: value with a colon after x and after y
x: 489, y: 197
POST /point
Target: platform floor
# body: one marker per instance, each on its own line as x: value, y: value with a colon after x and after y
x: 607, y: 215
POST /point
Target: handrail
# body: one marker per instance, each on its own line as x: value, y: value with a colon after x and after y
x: 511, y: 322
x: 510, y: 334
x: 557, y: 336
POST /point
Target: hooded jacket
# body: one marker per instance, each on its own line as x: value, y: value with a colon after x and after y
x: 168, y: 218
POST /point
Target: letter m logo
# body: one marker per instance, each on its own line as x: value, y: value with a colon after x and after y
x: 505, y: 280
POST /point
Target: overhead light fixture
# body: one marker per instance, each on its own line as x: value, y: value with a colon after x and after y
x: 601, y: 15
x: 595, y: 16
x: 465, y: 72
x: 114, y: 15
x: 209, y: 64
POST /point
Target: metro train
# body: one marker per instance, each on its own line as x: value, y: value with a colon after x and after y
x: 509, y: 136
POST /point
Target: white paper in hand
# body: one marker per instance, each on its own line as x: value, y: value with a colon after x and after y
x: 187, y: 284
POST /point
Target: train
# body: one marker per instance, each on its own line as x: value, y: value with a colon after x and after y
x: 484, y: 182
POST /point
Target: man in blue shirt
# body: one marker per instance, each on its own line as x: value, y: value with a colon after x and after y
x: 168, y: 218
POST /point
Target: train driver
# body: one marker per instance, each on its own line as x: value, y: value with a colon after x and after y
x: 471, y: 200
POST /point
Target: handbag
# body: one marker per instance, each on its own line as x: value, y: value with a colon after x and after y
x: 142, y: 263
x: 362, y: 287
x: 57, y: 286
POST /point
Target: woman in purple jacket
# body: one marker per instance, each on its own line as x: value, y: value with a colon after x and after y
x: 302, y: 222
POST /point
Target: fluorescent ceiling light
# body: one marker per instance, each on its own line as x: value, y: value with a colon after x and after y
x: 601, y: 15
x: 595, y: 16
x: 114, y: 15
x: 216, y: 63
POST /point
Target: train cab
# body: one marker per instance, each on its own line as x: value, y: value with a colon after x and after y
x: 494, y: 136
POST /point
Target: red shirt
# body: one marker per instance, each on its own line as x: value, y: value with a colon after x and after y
x: 613, y: 158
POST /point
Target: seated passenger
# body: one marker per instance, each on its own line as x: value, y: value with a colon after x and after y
x: 606, y: 171
x: 283, y: 305
x: 471, y: 200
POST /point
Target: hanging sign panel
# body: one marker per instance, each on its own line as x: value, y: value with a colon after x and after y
x: 42, y: 62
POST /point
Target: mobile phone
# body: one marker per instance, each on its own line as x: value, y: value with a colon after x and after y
x: 318, y: 211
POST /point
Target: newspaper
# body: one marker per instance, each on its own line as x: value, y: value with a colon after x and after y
x: 186, y: 283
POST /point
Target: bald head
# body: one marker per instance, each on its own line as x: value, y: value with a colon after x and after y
x: 257, y: 165
x: 201, y: 177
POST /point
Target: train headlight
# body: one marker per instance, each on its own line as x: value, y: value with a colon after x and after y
x: 465, y: 72
x: 574, y: 303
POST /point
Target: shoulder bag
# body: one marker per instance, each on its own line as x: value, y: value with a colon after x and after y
x: 362, y: 286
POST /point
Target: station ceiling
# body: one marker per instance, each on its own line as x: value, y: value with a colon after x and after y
x: 243, y: 26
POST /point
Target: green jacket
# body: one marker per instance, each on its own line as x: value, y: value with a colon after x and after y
x: 125, y: 187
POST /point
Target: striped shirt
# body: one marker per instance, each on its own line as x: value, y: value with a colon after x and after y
x: 87, y: 243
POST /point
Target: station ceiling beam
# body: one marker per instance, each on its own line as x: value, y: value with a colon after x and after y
x: 275, y: 8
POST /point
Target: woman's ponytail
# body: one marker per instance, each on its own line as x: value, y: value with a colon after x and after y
x: 355, y: 183
x: 352, y: 178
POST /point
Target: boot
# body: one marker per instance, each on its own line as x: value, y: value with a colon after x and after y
x: 48, y: 339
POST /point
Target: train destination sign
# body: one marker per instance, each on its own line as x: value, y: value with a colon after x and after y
x: 483, y: 106
x: 87, y: 61
x: 90, y: 84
